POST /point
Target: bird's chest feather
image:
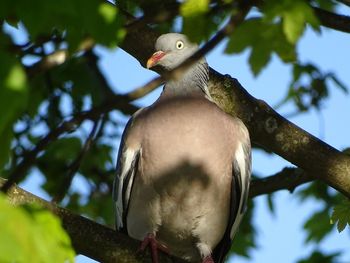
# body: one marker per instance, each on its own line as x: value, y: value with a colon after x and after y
x: 184, y: 136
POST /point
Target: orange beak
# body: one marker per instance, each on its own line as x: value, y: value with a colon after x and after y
x: 155, y: 58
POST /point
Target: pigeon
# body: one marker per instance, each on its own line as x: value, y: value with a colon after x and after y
x: 184, y: 165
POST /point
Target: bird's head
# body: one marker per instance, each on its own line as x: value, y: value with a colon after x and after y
x: 171, y: 50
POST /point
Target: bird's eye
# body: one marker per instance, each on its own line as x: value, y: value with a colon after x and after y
x: 180, y: 44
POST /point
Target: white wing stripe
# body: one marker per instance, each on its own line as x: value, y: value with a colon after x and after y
x: 241, y: 159
x: 128, y: 157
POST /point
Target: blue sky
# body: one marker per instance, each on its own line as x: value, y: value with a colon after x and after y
x: 280, y: 236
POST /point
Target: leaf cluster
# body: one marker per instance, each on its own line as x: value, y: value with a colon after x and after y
x: 29, y: 238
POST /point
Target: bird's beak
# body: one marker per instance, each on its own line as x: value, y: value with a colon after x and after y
x: 154, y: 59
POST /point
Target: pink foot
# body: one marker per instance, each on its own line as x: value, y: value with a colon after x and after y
x: 208, y: 259
x: 151, y: 241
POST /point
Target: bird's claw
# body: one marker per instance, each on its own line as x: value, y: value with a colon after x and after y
x: 208, y: 259
x: 151, y: 242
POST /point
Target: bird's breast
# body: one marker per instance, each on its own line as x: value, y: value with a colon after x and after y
x: 187, y: 134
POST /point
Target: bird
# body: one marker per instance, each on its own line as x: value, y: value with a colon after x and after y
x: 183, y: 166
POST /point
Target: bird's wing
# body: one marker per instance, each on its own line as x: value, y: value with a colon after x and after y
x: 239, y: 193
x: 127, y: 164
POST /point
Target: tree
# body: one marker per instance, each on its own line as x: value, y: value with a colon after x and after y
x: 59, y: 111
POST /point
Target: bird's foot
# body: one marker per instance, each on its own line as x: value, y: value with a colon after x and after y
x: 151, y: 242
x: 208, y: 259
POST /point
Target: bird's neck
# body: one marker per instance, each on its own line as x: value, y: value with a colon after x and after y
x: 194, y: 82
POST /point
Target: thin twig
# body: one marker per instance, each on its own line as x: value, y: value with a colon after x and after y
x: 145, y: 89
x: 287, y: 179
x: 74, y: 166
x: 345, y: 2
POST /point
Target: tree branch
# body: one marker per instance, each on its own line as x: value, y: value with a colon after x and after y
x: 332, y: 20
x: 287, y: 179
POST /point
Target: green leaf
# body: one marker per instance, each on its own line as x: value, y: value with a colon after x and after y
x: 294, y: 14
x: 317, y: 226
x: 93, y: 161
x: 270, y: 203
x: 194, y: 7
x: 16, y: 78
x: 83, y: 82
x: 97, y: 20
x: 32, y: 234
x: 259, y: 57
x: 197, y: 24
x: 310, y: 86
x: 244, y: 36
x: 61, y: 153
x: 264, y: 38
x: 341, y: 215
x: 318, y: 256
x: 108, y: 12
x: 196, y: 28
x: 13, y: 99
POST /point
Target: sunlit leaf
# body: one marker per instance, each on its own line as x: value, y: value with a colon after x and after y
x: 264, y: 38
x: 194, y: 7
x: 32, y: 235
x: 295, y: 14
x: 108, y: 12
x: 295, y: 18
x: 196, y: 24
x: 13, y: 99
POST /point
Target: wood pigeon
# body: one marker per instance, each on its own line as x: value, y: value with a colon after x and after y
x: 183, y: 167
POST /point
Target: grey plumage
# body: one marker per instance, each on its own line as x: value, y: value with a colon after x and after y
x: 183, y: 165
